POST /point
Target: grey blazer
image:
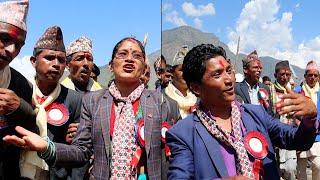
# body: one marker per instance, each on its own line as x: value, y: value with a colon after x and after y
x: 93, y: 136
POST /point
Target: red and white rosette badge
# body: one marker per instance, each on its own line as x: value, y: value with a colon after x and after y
x: 264, y: 95
x: 165, y: 126
x: 139, y: 135
x: 140, y: 132
x: 57, y: 114
x: 257, y: 146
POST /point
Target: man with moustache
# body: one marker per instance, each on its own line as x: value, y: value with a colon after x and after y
x: 250, y: 89
x: 310, y: 89
x: 56, y: 106
x: 287, y: 159
x: 80, y: 64
x: 15, y: 90
x: 224, y: 138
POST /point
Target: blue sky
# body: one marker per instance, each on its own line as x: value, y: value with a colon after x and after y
x: 279, y: 28
x: 104, y: 22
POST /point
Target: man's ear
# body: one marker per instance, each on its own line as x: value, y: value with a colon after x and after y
x: 68, y: 64
x: 195, y: 88
x: 158, y: 75
x: 33, y: 61
x: 245, y: 70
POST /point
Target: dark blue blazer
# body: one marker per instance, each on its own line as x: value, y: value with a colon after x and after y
x: 242, y: 89
x: 195, y: 154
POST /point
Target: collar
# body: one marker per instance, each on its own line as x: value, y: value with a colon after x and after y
x: 256, y: 86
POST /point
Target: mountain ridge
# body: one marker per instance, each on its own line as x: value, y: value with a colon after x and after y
x: 173, y: 39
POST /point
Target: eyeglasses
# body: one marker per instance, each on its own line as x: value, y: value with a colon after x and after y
x: 121, y: 54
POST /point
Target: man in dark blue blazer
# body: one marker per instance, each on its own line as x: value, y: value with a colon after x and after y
x: 212, y: 142
x: 250, y: 89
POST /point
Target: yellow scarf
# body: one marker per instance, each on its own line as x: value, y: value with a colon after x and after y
x: 29, y: 160
x: 311, y: 92
x: 275, y: 100
x: 184, y: 102
x: 92, y: 85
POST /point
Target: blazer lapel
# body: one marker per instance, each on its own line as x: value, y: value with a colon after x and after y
x: 105, y: 111
x: 148, y: 123
x: 164, y: 109
x: 244, y: 89
x: 212, y: 146
x: 247, y: 121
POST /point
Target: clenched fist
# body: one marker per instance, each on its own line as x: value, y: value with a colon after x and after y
x: 9, y: 101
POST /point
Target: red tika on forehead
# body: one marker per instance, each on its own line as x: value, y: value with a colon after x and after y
x: 221, y: 63
x: 13, y: 32
x: 259, y: 63
x: 132, y: 41
x: 86, y: 54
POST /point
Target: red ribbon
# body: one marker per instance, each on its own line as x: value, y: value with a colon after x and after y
x: 136, y: 157
x: 258, y: 169
x: 193, y: 108
x: 165, y: 126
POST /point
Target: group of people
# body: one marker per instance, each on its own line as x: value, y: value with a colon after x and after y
x: 197, y: 124
x: 292, y: 164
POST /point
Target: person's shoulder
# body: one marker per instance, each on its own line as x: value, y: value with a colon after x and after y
x: 261, y: 85
x: 18, y: 76
x: 237, y: 85
x: 255, y: 111
x: 149, y: 92
x: 185, y: 125
x: 104, y: 92
x: 251, y: 107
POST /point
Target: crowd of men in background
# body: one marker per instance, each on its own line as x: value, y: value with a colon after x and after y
x: 188, y: 127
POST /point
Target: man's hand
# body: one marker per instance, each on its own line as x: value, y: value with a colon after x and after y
x: 71, y: 132
x: 29, y: 141
x: 296, y: 105
x: 9, y: 101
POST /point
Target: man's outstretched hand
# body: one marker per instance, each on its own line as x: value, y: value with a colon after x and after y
x: 29, y: 141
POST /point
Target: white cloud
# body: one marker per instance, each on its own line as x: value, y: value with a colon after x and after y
x: 297, y: 5
x: 260, y: 29
x: 200, y: 10
x: 165, y: 7
x: 302, y: 54
x: 24, y: 67
x: 174, y: 18
x: 197, y: 23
